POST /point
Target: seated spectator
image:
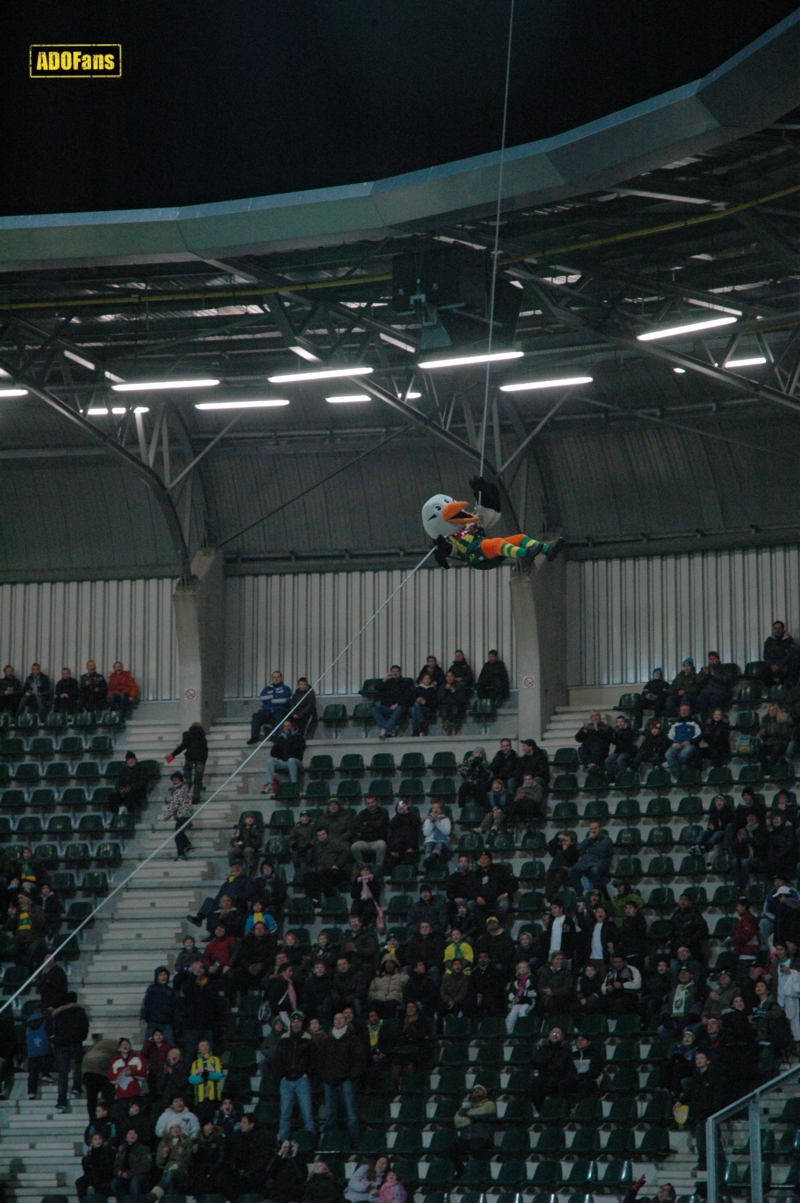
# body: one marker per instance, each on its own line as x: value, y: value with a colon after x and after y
x: 93, y: 688
x: 564, y: 853
x: 495, y: 884
x: 195, y: 754
x: 321, y: 1187
x: 424, y: 706
x: 493, y: 679
x: 349, y: 986
x: 206, y: 1076
x: 410, y: 1048
x: 715, y: 683
x: 395, y: 697
x: 505, y: 767
x: 371, y: 828
x: 275, y: 699
x: 433, y: 669
x: 10, y: 691
x: 499, y: 945
x: 688, y: 928
x: 66, y: 694
x: 493, y: 823
x: 747, y: 848
x: 173, y: 1159
x: 122, y: 689
x: 554, y: 1070
x: 555, y: 987
x: 366, y: 894
x: 427, y: 946
x: 588, y: 1062
x: 155, y: 1051
x: 385, y: 992
x: 454, y: 990
x: 25, y: 922
x: 632, y: 938
x: 133, y: 1164
x: 303, y: 707
x: 486, y: 995
x: 624, y: 740
x: 367, y: 1181
x: 717, y: 739
x: 684, y: 688
x: 403, y: 835
x: 238, y: 889
x: 474, y: 1122
x: 462, y: 671
x: 784, y: 802
x: 158, y: 1006
x: 246, y: 843
x: 130, y: 791
x: 330, y: 867
x: 436, y: 835
x: 98, y: 1168
x: 653, y: 697
x: 498, y: 796
x: 720, y: 815
x: 678, y: 1068
x: 520, y: 996
x: 36, y: 693
x: 253, y: 957
x: 779, y: 656
x: 461, y: 886
x: 595, y: 739
x: 339, y: 822
x: 774, y: 735
x: 476, y: 779
x: 361, y: 946
x: 246, y: 1172
x: 593, y: 865
x: 681, y: 1007
x: 137, y: 1118
x: 656, y: 988
x: 459, y: 949
x: 452, y: 699
x: 286, y: 756
x: 653, y: 748
x: 186, y: 956
x: 781, y: 847
x: 621, y: 988
x: 616, y: 905
x: 685, y: 735
x: 301, y: 840
x: 209, y: 1154
x: 534, y: 761
x: 269, y: 890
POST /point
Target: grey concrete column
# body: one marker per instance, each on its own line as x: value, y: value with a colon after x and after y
x: 200, y: 631
x: 539, y: 603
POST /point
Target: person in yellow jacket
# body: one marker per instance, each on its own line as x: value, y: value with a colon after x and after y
x: 206, y: 1077
x: 459, y: 948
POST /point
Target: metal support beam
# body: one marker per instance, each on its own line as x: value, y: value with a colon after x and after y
x: 203, y: 453
x: 533, y: 433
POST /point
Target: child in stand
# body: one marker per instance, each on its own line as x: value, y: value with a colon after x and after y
x: 392, y: 1190
x: 178, y: 806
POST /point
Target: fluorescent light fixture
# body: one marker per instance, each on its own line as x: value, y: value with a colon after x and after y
x: 751, y: 362
x: 85, y: 363
x: 562, y: 382
x: 304, y: 354
x: 116, y: 379
x: 97, y: 412
x: 398, y: 342
x: 679, y: 371
x: 412, y: 396
x: 322, y: 374
x: 688, y: 328
x: 344, y: 399
x: 153, y: 386
x: 267, y: 403
x: 119, y: 410
x: 13, y: 392
x: 142, y: 409
x: 463, y: 361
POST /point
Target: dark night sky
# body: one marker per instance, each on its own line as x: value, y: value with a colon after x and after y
x: 237, y: 98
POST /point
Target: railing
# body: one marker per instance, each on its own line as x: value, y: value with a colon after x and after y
x: 751, y: 1103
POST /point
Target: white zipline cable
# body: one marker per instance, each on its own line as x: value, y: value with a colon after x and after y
x: 73, y: 934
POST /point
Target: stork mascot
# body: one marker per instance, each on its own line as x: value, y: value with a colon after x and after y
x: 455, y: 527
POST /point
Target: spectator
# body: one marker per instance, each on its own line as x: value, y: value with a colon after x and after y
x: 717, y: 739
x: 653, y: 697
x: 562, y: 932
x: 98, y: 1168
x: 367, y: 1181
x: 653, y: 748
x: 534, y: 761
x: 315, y: 994
x: 203, y: 1011
x: 286, y: 756
x: 195, y: 754
x: 632, y: 938
x: 421, y: 988
x: 434, y: 670
x: 424, y: 706
x: 689, y: 928
x: 52, y: 984
x: 474, y: 1122
x: 178, y: 1114
x: 209, y: 1154
x: 599, y: 935
x: 554, y: 1069
x: 70, y: 1029
x: 461, y: 670
x: 593, y: 865
x: 506, y: 767
x: 122, y: 689
x: 436, y: 834
x: 361, y: 946
x: 154, y: 1054
x: 249, y: 1152
x: 127, y: 1073
x: 132, y: 1166
x: 681, y: 1007
x: 780, y: 656
x: 588, y: 1063
x: 493, y: 679
x: 173, y: 1158
x: 301, y: 840
x: 97, y: 1062
x: 66, y: 693
x: 787, y: 987
x: 452, y: 699
x: 130, y: 792
x: 495, y: 821
x: 10, y: 691
x: 379, y: 1041
x: 781, y: 847
x: 498, y: 796
x: 494, y: 886
x: 520, y: 996
x: 720, y: 815
x: 392, y: 1190
x: 774, y: 735
x: 366, y: 894
x: 459, y: 949
x: 595, y: 739
x: 410, y: 1049
x: 295, y: 1061
x: 178, y: 806
x: 747, y: 848
x: 621, y: 988
x: 624, y: 739
x: 246, y: 843
x: 395, y: 696
x: 386, y: 990
x: 93, y: 688
x: 705, y: 1096
x: 564, y: 853
x: 371, y: 829
x: 26, y: 924
x: 26, y: 872
x: 784, y: 803
x: 476, y: 779
x: 36, y: 693
x: 656, y: 988
x: 275, y: 699
x: 745, y: 937
x: 303, y: 706
x: 454, y: 990
x: 715, y: 683
x: 403, y: 835
x: 252, y: 959
x: 330, y: 867
x: 772, y: 1029
x: 616, y: 905
x: 269, y: 890
x: 685, y: 735
x: 206, y: 1077
x: 322, y: 1188
x: 187, y: 955
x: 684, y: 688
x: 238, y: 889
x: 40, y: 1055
x: 774, y: 910
x: 500, y: 946
x: 427, y: 946
x: 461, y: 887
x: 556, y: 987
x: 173, y: 1079
x: 341, y: 1063
x: 348, y: 987
x: 485, y: 990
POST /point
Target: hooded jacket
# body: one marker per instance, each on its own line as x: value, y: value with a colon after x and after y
x: 341, y: 1058
x: 295, y: 1056
x: 194, y: 744
x: 133, y: 1159
x: 70, y: 1026
x: 122, y: 683
x: 158, y: 1004
x: 403, y: 832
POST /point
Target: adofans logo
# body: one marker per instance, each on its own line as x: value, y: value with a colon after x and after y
x: 69, y: 61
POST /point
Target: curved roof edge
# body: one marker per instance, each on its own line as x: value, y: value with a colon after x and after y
x: 744, y: 95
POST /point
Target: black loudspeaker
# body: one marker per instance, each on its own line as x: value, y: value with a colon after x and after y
x: 454, y: 277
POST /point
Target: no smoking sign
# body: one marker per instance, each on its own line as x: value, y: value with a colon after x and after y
x: 528, y: 682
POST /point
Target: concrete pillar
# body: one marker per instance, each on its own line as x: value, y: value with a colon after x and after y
x: 539, y: 603
x: 200, y: 632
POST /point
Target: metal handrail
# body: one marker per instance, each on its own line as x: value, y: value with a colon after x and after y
x: 751, y: 1102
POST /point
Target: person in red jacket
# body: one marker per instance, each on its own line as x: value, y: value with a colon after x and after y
x: 745, y: 937
x: 127, y: 1073
x: 122, y: 689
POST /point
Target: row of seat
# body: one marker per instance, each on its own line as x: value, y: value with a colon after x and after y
x: 43, y: 747
x: 28, y: 723
x: 382, y: 764
x: 660, y: 780
x: 335, y: 715
x: 58, y: 774
x: 73, y: 800
x: 78, y: 854
x: 61, y: 828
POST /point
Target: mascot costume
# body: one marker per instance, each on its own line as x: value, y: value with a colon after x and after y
x: 456, y: 528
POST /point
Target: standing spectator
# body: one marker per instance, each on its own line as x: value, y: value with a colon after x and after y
x: 773, y: 910
x: 593, y: 865
x: 653, y: 748
x: 372, y: 826
x: 366, y: 894
x: 331, y: 864
x: 632, y: 938
x: 506, y: 767
x: 127, y: 1073
x: 595, y: 739
x: 554, y: 1068
x: 178, y: 806
x: 295, y: 1061
x: 66, y: 693
x: 434, y: 670
x: 158, y: 1006
x: 203, y: 1011
x: 624, y: 739
x: 209, y: 1153
x: 275, y: 699
x: 98, y: 1168
x: 70, y: 1029
x: 452, y: 698
x: 436, y: 834
x: 206, y: 1076
x: 40, y: 1055
x: 10, y: 691
x: 486, y: 996
x: 684, y: 688
x: 130, y: 792
x: 286, y: 756
x: 474, y: 1122
x: 556, y: 987
x: 195, y: 754
x: 715, y: 683
x: 476, y: 778
x: 423, y: 708
x: 410, y: 1048
x: 245, y: 843
x: 270, y: 889
x: 493, y: 679
x: 745, y: 937
x: 685, y: 735
x: 93, y: 688
x: 781, y: 847
x: 653, y: 697
x: 622, y: 988
x: 97, y: 1062
x: 588, y: 1064
x: 173, y: 1081
x: 341, y: 1062
x: 780, y: 656
x: 395, y: 696
x: 520, y: 996
x: 599, y: 935
x: 154, y: 1054
x: 461, y: 670
x: 36, y: 693
x: 132, y: 1166
x: 705, y: 1097
x: 122, y: 689
x: 52, y: 984
x: 403, y: 835
x: 303, y: 706
x: 688, y: 928
x: 562, y: 932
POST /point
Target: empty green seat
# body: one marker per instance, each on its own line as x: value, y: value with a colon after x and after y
x: 443, y: 789
x: 595, y: 782
x: 26, y: 775
x: 94, y: 883
x: 108, y: 853
x: 720, y: 778
x: 287, y: 791
x: 60, y: 827
x: 12, y: 801
x: 43, y: 799
x: 411, y: 789
x: 122, y: 826
x: 661, y: 867
x: 29, y: 827
x: 351, y: 765
x: 87, y: 772
x: 91, y: 827
x: 57, y: 775
x: 628, y: 809
x: 596, y: 809
x: 382, y: 765
x: 348, y: 792
x: 626, y: 782
x: 320, y: 767
x: 74, y: 798
x: 101, y: 746
x: 371, y: 687
x: 660, y: 837
x: 566, y: 783
x: 565, y: 812
x: 629, y: 839
x: 41, y: 748
x: 565, y: 758
x: 412, y: 764
x: 78, y: 912
x: 658, y: 779
x: 657, y: 808
x: 12, y: 749
x: 629, y: 868
x: 317, y: 791
x: 281, y: 820
x: 334, y: 715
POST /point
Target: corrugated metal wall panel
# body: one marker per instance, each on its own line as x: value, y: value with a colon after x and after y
x: 65, y: 623
x: 626, y: 616
x: 300, y: 622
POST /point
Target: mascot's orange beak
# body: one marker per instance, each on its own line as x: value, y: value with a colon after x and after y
x: 458, y: 513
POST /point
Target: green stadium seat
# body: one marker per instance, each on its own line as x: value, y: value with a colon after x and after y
x: 370, y: 688
x: 26, y: 776
x: 101, y: 746
x: 372, y: 1143
x: 335, y: 715
x: 317, y: 791
x: 63, y: 882
x: 553, y: 1111
x: 48, y: 855
x: 403, y: 876
x: 41, y: 748
x: 689, y: 835
x: 281, y: 820
x: 627, y: 1025
x: 658, y: 808
x: 596, y: 809
x: 582, y: 1174
x: 617, y: 1177
x: 321, y: 768
x: 565, y: 812
x: 77, y: 912
x: 534, y: 841
x: 408, y: 1172
x: 86, y: 720
x: 12, y: 749
x: 690, y: 807
x: 101, y: 797
x: 628, y: 840
x: 552, y: 1142
x: 87, y: 772
x: 565, y: 758
x: 108, y: 854
x: 443, y: 789
x: 621, y: 1144
x: 546, y: 1174
x: 629, y: 868
x: 660, y: 837
x: 719, y: 778
x: 74, y: 798
x: 29, y: 828
x: 287, y: 791
x: 301, y: 910
x: 655, y: 1145
x: 382, y: 765
x: 94, y: 883
x: 566, y: 783
x: 659, y: 780
x: 661, y: 867
x: 91, y: 827
x: 412, y: 764
x: 628, y: 809
x: 444, y: 764
x: 626, y: 782
x: 60, y: 827
x: 587, y: 1112
x: 692, y: 866
x: 628, y: 702
x: 688, y: 777
x: 658, y: 1110
x: 532, y: 872
x: 411, y: 790
x: 362, y: 716
x: 351, y: 765
x: 122, y: 826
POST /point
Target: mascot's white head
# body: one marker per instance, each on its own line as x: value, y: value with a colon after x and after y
x: 441, y: 515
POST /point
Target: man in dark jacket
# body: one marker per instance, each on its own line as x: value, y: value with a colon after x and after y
x: 588, y: 1062
x: 493, y: 679
x: 361, y: 945
x: 486, y: 995
x: 476, y: 778
x: 715, y: 683
x: 555, y: 1070
x: 341, y: 1060
x: 93, y: 688
x: 428, y: 909
x: 348, y: 986
x: 780, y: 656
x: 506, y: 766
x: 132, y: 1166
x: 10, y: 691
x: 653, y: 696
x: 684, y: 688
x: 130, y: 793
x: 286, y: 755
x: 372, y: 824
x: 295, y: 1061
x: 36, y: 693
x: 555, y: 986
x: 195, y: 754
x: 158, y: 1005
x: 595, y: 854
x: 494, y: 887
x: 687, y: 926
x: 427, y: 946
x: 98, y: 1167
x: 624, y: 740
x: 70, y: 1029
x: 332, y: 860
x: 66, y: 693
x: 53, y: 985
x: 500, y: 947
x: 534, y: 761
x: 595, y: 740
x: 705, y: 1095
x: 203, y: 1011
x: 250, y: 1153
x: 395, y: 695
x: 303, y: 706
x: 461, y: 885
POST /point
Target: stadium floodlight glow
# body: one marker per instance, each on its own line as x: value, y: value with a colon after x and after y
x: 321, y: 374
x: 304, y: 353
x: 688, y: 328
x: 13, y: 392
x: 97, y: 411
x: 265, y: 403
x: 679, y: 371
x: 85, y: 363
x: 561, y: 382
x: 346, y: 398
x: 750, y: 362
x: 463, y: 361
x: 141, y: 409
x: 412, y: 396
x: 119, y: 410
x: 154, y: 386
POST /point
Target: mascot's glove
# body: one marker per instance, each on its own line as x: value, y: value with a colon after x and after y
x: 489, y: 494
x: 442, y: 551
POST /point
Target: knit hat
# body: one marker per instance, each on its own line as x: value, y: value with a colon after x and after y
x: 658, y: 669
x: 130, y: 755
x: 425, y: 885
x: 689, y: 660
